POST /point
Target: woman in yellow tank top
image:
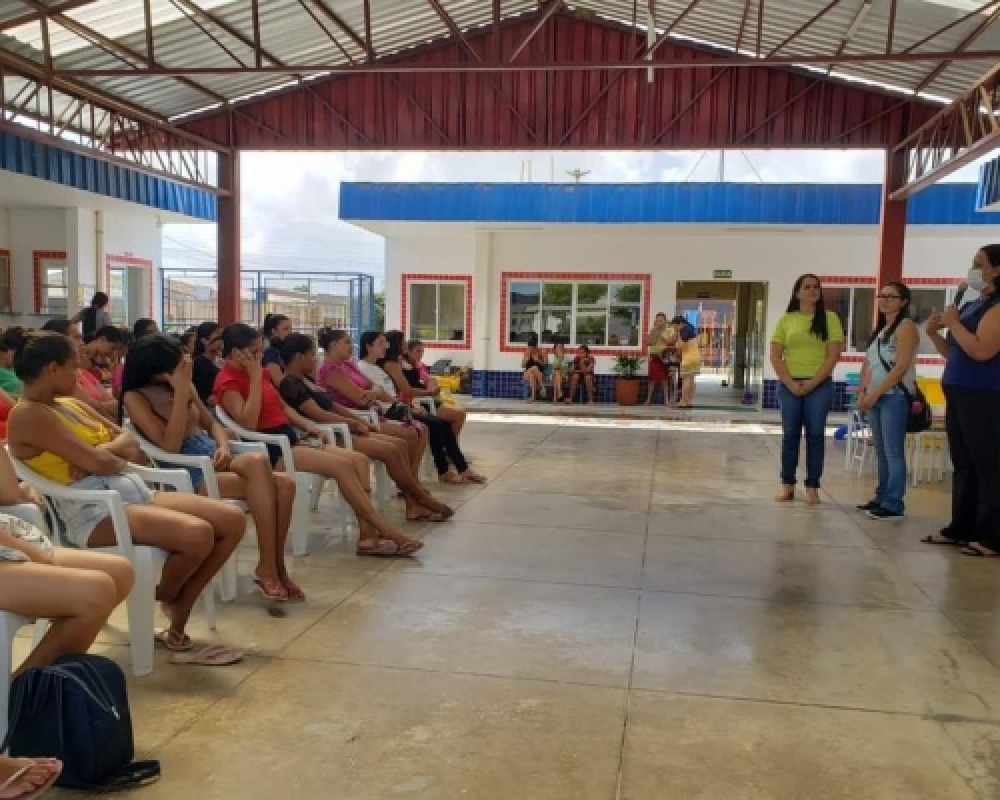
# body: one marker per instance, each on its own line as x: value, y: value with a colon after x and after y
x: 69, y: 443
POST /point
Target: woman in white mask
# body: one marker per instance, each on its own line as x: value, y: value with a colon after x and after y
x: 970, y: 341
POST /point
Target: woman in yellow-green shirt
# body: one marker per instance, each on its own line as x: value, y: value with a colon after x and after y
x: 805, y: 347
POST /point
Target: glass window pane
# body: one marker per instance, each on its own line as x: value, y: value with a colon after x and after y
x: 922, y: 303
x: 624, y: 326
x: 556, y: 326
x: 626, y: 293
x: 592, y: 328
x: 524, y: 310
x: 591, y: 296
x: 451, y: 317
x: 557, y: 295
x: 864, y: 318
x: 423, y: 311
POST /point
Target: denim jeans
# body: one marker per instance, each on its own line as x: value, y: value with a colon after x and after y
x: 809, y: 412
x: 888, y: 420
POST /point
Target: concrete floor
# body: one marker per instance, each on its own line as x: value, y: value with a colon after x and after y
x: 622, y: 612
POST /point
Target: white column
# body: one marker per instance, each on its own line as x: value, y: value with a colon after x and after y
x: 483, y: 311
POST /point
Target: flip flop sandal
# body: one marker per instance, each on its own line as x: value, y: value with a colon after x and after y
x: 387, y: 548
x: 169, y: 639
x: 24, y: 771
x: 211, y: 656
x: 474, y: 478
x: 295, y: 593
x: 430, y: 516
x: 944, y: 542
x: 977, y: 552
x: 272, y: 590
x: 410, y: 548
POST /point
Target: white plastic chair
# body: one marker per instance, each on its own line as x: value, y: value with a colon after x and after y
x: 921, y: 449
x: 11, y: 623
x: 429, y: 404
x: 229, y: 574
x: 860, y: 448
x: 304, y: 481
x: 147, y: 562
x: 381, y: 474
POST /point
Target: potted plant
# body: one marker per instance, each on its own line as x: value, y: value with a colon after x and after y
x: 627, y: 382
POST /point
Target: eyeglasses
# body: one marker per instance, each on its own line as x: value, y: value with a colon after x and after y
x: 889, y: 297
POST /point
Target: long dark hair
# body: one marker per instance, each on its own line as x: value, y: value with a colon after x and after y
x: 904, y: 313
x: 38, y: 350
x: 152, y: 355
x: 368, y: 338
x: 328, y: 336
x: 819, y: 327
x: 395, y: 340
x: 272, y: 321
x: 992, y: 252
x: 202, y: 332
x: 238, y: 336
x: 58, y: 325
x: 296, y: 344
x: 143, y: 327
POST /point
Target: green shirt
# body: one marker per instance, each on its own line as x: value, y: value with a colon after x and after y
x: 804, y: 352
x: 9, y: 382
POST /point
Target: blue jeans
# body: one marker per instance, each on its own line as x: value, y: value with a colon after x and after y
x: 888, y: 420
x: 809, y: 412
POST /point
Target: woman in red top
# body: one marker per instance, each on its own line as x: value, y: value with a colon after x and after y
x: 254, y: 402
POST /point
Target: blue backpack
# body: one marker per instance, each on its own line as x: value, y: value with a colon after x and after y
x: 77, y: 711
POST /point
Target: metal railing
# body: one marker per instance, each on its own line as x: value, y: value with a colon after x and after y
x: 311, y: 300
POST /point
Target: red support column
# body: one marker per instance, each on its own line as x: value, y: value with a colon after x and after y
x: 230, y: 307
x: 892, y: 231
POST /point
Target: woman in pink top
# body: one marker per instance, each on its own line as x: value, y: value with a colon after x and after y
x: 349, y: 387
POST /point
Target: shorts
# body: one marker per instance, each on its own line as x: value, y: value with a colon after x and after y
x: 690, y: 370
x: 198, y: 444
x: 79, y: 518
x: 25, y: 531
x: 657, y: 369
x: 273, y: 451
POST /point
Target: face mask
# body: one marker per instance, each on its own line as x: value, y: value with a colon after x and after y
x: 976, y: 281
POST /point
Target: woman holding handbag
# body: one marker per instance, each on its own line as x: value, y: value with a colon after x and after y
x: 888, y: 386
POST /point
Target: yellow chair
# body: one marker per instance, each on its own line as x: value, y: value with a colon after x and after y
x: 931, y: 387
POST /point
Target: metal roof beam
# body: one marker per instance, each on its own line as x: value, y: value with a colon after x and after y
x: 966, y: 43
x: 712, y: 62
x: 35, y: 16
x: 957, y: 135
x: 805, y: 26
x: 544, y: 17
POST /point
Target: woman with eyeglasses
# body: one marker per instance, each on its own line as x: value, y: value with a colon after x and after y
x: 805, y: 347
x: 971, y: 383
x: 888, y: 382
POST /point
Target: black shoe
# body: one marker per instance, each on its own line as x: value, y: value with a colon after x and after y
x: 871, y: 505
x: 882, y: 515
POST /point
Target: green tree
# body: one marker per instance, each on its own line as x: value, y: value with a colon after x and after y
x: 380, y: 311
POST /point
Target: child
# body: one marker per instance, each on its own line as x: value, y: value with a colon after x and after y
x: 582, y: 367
x: 559, y: 364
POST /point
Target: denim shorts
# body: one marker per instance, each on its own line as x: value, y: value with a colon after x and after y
x: 79, y: 517
x: 198, y: 444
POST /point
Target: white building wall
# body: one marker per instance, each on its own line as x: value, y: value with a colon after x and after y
x: 135, y: 240
x: 31, y: 231
x: 667, y: 253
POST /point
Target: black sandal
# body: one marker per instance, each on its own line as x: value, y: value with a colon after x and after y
x: 978, y: 551
x: 944, y: 541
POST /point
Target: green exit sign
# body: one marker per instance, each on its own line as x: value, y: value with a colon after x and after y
x: 722, y: 274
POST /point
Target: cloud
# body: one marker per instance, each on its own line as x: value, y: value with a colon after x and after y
x: 290, y: 200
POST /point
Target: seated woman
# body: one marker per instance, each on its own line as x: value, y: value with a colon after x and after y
x: 77, y: 590
x: 558, y: 365
x: 88, y: 386
x: 341, y: 376
x: 380, y: 362
x: 453, y: 414
x: 533, y: 364
x: 249, y: 397
x: 582, y: 369
x: 161, y: 402
x: 61, y: 439
x: 298, y: 353
x: 207, y: 354
x: 144, y: 327
x: 276, y: 328
x: 9, y: 342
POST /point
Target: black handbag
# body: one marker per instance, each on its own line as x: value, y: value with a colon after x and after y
x: 77, y: 711
x: 919, y: 417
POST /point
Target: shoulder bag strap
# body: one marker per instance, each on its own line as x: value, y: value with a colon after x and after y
x: 902, y: 384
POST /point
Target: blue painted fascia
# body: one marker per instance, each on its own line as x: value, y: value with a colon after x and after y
x: 68, y: 168
x: 654, y: 203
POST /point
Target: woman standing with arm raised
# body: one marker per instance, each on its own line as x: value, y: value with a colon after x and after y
x: 971, y: 384
x: 805, y: 347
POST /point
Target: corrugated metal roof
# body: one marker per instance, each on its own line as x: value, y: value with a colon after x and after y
x: 293, y: 36
x: 654, y: 203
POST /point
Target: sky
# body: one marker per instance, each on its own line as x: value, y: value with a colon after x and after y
x: 290, y: 200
